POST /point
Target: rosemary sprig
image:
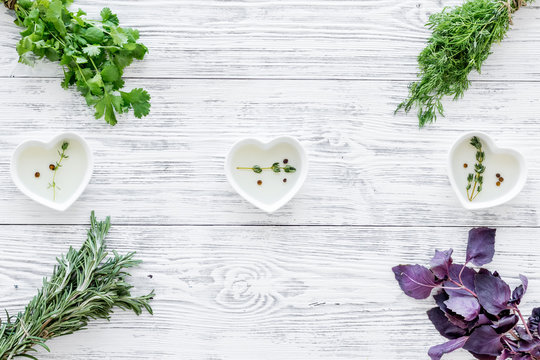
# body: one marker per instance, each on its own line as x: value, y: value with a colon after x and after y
x: 275, y: 168
x: 460, y: 43
x: 474, y: 189
x: 85, y: 285
x: 58, y: 164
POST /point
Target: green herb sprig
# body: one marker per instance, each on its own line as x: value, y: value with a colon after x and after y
x: 473, y: 189
x: 93, y: 53
x: 58, y: 165
x: 276, y: 167
x: 460, y: 42
x: 86, y: 284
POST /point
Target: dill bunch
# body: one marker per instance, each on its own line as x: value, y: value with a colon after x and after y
x: 460, y: 42
x: 85, y: 285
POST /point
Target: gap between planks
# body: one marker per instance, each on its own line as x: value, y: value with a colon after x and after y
x: 275, y: 79
x: 369, y: 226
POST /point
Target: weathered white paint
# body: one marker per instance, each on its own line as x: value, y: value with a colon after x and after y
x: 346, y: 39
x: 261, y: 292
x: 312, y: 281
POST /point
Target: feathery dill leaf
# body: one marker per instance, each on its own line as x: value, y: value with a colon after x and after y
x: 460, y: 42
x: 86, y: 284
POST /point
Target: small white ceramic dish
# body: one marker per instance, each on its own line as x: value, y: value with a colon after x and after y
x: 72, y: 177
x: 275, y: 189
x: 509, y: 163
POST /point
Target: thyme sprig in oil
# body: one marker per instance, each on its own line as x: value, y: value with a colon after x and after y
x: 276, y: 167
x: 475, y: 180
x: 55, y: 167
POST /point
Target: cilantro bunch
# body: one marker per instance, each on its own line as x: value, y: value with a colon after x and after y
x: 476, y: 310
x: 92, y: 53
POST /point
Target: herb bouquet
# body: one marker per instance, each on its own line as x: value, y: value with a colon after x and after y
x: 476, y: 310
x: 85, y: 285
x: 461, y: 41
x: 92, y: 53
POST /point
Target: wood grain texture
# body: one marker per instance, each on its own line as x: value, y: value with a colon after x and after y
x: 312, y: 281
x: 367, y: 167
x: 287, y: 39
x: 261, y: 292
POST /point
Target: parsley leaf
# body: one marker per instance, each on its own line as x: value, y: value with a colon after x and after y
x: 92, y: 50
x: 54, y: 16
x: 110, y: 73
x: 139, y: 100
x: 118, y: 36
x: 106, y: 106
x: 94, y: 35
x: 108, y: 16
x: 93, y: 54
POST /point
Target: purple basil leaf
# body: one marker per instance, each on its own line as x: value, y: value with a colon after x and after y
x: 505, y: 324
x: 441, y: 262
x: 464, y: 305
x: 527, y: 346
x: 415, y: 280
x: 458, y: 320
x: 443, y: 325
x: 519, y: 291
x: 522, y: 333
x: 536, y: 352
x: 522, y: 357
x: 481, y: 246
x: 440, y: 298
x: 437, y: 351
x: 483, y: 357
x: 493, y: 293
x: 506, y: 354
x: 534, y: 319
x: 467, y: 276
x: 524, y: 282
x: 484, y: 271
x: 455, y: 319
x: 484, y: 340
x: 482, y: 320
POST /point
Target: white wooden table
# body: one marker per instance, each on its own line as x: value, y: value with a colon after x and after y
x: 312, y: 281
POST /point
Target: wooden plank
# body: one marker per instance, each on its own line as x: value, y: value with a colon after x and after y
x: 261, y: 292
x: 368, y: 167
x: 287, y: 39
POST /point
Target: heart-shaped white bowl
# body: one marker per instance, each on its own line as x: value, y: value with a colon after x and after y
x: 508, y: 163
x: 275, y: 189
x: 33, y: 156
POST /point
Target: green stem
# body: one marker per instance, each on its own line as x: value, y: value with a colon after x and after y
x: 479, y: 170
x: 265, y: 168
x: 93, y: 64
x: 82, y: 75
x: 58, y: 164
x: 471, y: 198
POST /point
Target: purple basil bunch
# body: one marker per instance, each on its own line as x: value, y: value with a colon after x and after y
x: 476, y: 310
